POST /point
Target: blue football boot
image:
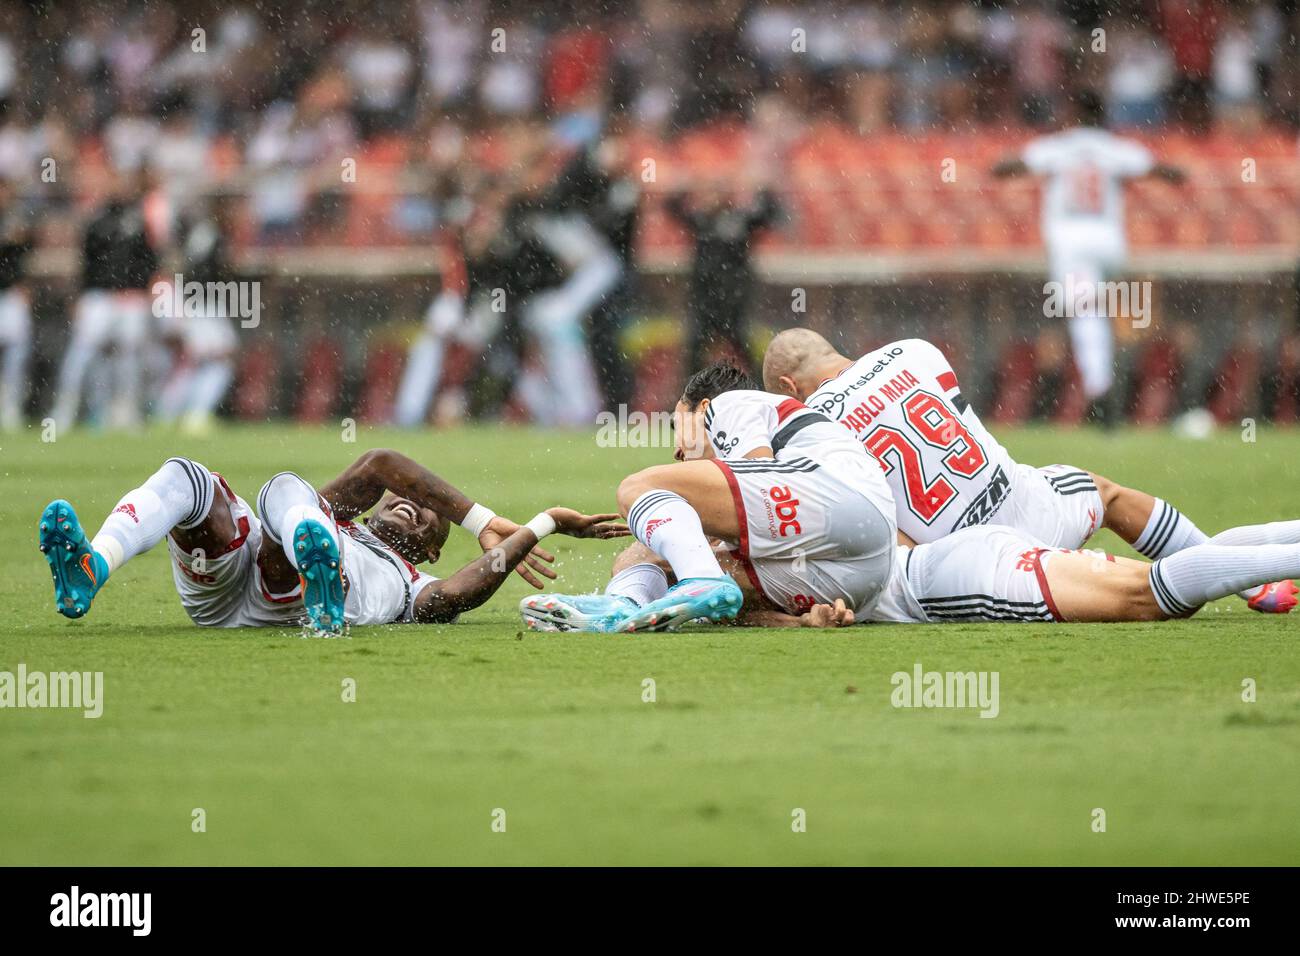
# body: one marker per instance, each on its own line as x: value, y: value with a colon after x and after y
x: 79, y: 570
x: 317, y: 557
x: 713, y: 599
x: 594, y: 613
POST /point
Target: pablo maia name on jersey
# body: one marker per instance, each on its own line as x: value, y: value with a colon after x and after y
x: 103, y: 909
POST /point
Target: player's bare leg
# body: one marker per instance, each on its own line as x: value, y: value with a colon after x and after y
x: 701, y: 483
x: 1157, y: 529
x: 1092, y: 587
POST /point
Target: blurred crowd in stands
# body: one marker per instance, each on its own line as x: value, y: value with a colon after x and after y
x: 506, y: 126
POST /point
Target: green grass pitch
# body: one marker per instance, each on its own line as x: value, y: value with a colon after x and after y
x: 452, y: 723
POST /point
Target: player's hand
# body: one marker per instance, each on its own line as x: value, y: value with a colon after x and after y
x: 497, y: 530
x: 578, y: 525
x: 828, y: 615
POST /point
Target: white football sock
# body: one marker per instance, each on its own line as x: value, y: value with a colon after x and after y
x: 419, y: 380
x: 13, y: 383
x: 1168, y: 531
x: 641, y: 583
x: 1184, y: 581
x: 1275, y: 532
x: 1090, y: 336
x: 177, y: 495
x: 211, y: 379
x: 283, y: 503
x: 669, y: 526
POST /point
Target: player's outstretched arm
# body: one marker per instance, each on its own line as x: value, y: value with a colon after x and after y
x: 473, y: 584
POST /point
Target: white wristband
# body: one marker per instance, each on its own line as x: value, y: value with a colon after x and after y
x: 542, y: 525
x: 476, y: 519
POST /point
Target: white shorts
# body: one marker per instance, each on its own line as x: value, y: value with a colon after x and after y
x: 106, y: 317
x: 1058, y: 505
x: 1084, y: 254
x: 807, y: 536
x: 987, y: 573
x: 15, y: 318
x: 227, y: 590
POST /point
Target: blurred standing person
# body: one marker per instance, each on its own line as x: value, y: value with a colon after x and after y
x: 722, y: 277
x: 16, y: 241
x: 112, y: 313
x: 206, y: 339
x: 598, y: 184
x: 1085, y: 169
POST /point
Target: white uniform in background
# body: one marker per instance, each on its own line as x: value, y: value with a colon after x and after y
x: 569, y: 393
x: 104, y: 320
x: 1083, y: 229
x: 816, y: 521
x: 444, y: 323
x: 15, y: 347
x: 945, y: 470
x: 227, y: 590
x: 201, y: 376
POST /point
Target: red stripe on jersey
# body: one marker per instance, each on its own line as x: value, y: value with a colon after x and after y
x: 1041, y: 575
x: 741, y: 553
x: 788, y: 408
x: 948, y: 382
x: 238, y: 542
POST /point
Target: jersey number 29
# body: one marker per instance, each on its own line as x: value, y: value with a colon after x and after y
x: 934, y: 422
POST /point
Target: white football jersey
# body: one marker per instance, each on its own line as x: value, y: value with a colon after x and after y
x: 738, y: 422
x: 381, y: 585
x: 1085, y: 170
x: 943, y: 467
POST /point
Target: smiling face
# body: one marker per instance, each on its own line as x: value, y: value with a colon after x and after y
x: 416, y: 533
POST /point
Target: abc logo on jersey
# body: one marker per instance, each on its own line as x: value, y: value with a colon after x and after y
x: 782, y: 512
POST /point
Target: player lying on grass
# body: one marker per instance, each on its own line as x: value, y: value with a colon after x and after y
x: 805, y: 508
x: 987, y: 573
x: 947, y: 472
x: 303, y: 557
x: 785, y: 578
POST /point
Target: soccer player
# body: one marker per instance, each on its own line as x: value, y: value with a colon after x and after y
x: 304, y: 557
x: 112, y: 313
x: 1000, y: 574
x: 805, y: 510
x: 16, y: 241
x: 982, y: 574
x: 1085, y: 169
x: 947, y: 472
x: 206, y: 334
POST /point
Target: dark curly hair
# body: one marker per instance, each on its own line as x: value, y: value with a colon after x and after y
x: 712, y: 380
